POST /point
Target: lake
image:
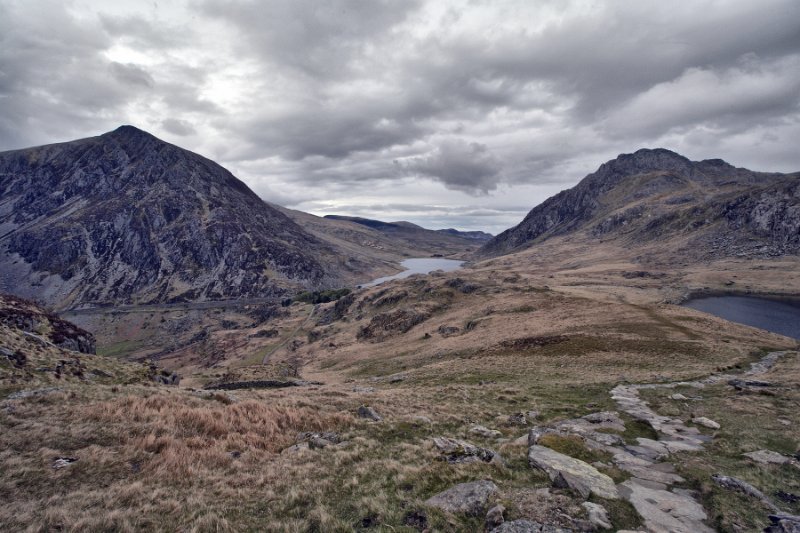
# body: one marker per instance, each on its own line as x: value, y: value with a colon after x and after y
x: 422, y: 265
x: 777, y: 316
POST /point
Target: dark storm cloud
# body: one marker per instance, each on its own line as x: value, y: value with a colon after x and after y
x: 460, y: 165
x: 317, y: 38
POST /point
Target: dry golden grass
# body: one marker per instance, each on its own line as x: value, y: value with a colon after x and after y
x: 145, y: 460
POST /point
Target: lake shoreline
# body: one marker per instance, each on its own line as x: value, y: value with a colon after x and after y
x: 418, y: 265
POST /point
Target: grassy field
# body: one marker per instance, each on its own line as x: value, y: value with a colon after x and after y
x: 162, y: 458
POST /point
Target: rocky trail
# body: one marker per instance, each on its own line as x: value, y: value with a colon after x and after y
x: 648, y: 490
x: 654, y: 486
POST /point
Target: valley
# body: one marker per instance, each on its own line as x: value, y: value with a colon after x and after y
x: 554, y: 382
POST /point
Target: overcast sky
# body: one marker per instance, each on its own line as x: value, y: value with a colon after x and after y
x: 446, y: 113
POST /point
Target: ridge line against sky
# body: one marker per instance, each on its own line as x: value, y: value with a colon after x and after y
x: 448, y: 114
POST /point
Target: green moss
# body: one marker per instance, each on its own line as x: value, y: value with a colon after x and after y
x: 621, y: 513
x: 635, y: 428
x: 573, y: 446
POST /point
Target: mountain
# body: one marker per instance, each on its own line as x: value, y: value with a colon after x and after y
x: 127, y: 218
x: 423, y: 241
x: 479, y: 236
x: 702, y: 209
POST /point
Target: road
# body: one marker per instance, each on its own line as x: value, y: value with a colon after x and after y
x: 185, y: 306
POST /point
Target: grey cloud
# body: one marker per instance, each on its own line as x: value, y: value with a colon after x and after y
x: 463, y: 166
x: 316, y: 99
x: 730, y: 98
x: 131, y: 74
x: 142, y: 33
x: 178, y: 126
x: 317, y: 38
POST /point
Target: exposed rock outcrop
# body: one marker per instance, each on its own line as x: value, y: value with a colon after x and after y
x: 470, y: 499
x: 567, y: 472
x: 28, y: 317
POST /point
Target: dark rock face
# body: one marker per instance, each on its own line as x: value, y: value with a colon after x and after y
x: 126, y: 218
x: 653, y: 194
x: 385, y: 325
x: 30, y: 318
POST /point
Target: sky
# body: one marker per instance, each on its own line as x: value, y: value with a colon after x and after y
x: 445, y: 113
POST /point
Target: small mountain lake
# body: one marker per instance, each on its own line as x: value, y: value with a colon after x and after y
x: 421, y: 265
x: 777, y: 316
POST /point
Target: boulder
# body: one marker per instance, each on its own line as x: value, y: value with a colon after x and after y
x: 518, y: 419
x: 567, y: 472
x: 783, y: 523
x: 319, y: 440
x: 598, y: 515
x: 495, y: 517
x: 369, y: 413
x: 459, y: 451
x: 482, y: 431
x: 63, y: 462
x: 705, y: 422
x: 470, y: 499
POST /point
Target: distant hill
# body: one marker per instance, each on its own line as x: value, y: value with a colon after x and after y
x: 128, y: 218
x: 479, y: 236
x: 695, y: 209
x: 418, y: 240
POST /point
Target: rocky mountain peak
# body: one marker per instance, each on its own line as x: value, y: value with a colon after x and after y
x: 646, y: 160
x: 126, y: 217
x: 126, y: 130
x: 654, y: 193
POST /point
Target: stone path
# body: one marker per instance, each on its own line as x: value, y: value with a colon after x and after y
x: 664, y: 509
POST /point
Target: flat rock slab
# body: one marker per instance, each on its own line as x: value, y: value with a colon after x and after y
x: 705, y: 422
x: 767, y: 457
x: 483, y: 431
x: 664, y: 511
x: 598, y: 516
x: 568, y: 472
x: 470, y: 499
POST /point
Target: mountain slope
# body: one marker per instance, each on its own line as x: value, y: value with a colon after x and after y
x: 427, y: 241
x: 709, y: 208
x: 128, y: 218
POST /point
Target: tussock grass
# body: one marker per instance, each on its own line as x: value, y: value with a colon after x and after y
x: 155, y: 461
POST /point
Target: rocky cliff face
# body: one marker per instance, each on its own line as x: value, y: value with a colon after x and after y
x: 42, y: 326
x: 127, y: 218
x: 659, y: 195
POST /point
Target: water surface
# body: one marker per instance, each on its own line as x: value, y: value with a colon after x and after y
x: 422, y: 265
x: 777, y: 316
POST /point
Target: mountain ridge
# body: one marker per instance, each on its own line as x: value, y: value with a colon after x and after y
x: 125, y: 217
x: 658, y: 193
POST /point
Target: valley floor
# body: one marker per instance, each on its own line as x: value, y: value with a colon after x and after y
x: 524, y: 341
